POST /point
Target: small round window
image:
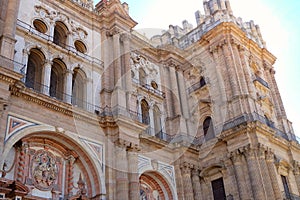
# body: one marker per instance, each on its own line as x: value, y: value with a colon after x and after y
x: 40, y: 26
x: 80, y: 46
x: 154, y: 85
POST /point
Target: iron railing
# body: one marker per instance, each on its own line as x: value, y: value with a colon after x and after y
x: 149, y: 88
x: 290, y: 196
x: 12, y: 64
x: 195, y: 87
x: 245, y: 118
x: 261, y: 81
x: 44, y: 36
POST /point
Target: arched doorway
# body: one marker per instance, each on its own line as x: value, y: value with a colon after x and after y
x: 153, y: 186
x: 51, y: 165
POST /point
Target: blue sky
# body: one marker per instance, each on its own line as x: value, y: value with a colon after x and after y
x: 278, y: 21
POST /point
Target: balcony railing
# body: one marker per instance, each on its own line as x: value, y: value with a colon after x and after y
x: 11, y: 64
x: 261, y: 81
x: 289, y: 196
x: 149, y: 88
x: 43, y: 36
x: 245, y: 118
x: 195, y: 87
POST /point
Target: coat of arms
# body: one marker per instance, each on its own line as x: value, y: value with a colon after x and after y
x: 44, y: 170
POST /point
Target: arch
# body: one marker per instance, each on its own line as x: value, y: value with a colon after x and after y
x: 79, y: 88
x: 152, y: 182
x: 208, y: 129
x: 145, y: 112
x: 36, y: 60
x: 64, y: 143
x: 40, y: 25
x: 60, y: 34
x: 80, y: 46
x: 57, y: 78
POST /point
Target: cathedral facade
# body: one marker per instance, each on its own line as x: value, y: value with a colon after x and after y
x: 92, y: 109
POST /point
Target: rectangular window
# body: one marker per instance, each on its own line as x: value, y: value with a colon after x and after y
x: 218, y: 189
x: 286, y: 187
x: 2, y: 196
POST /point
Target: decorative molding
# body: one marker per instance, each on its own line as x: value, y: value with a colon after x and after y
x: 15, y: 124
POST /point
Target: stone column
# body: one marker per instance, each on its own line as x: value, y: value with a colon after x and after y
x: 134, y: 185
x: 7, y: 40
x: 265, y: 173
x: 21, y: 162
x: 237, y: 160
x: 68, y: 86
x: 117, y: 59
x: 230, y: 178
x: 230, y: 68
x: 89, y: 94
x: 187, y: 181
x: 196, y: 184
x: 46, y: 77
x: 182, y: 92
x: 255, y: 173
x: 174, y: 91
x: 23, y: 70
x: 239, y: 67
x: 151, y: 116
x: 70, y: 176
x: 125, y: 38
x: 273, y: 174
x: 122, y: 171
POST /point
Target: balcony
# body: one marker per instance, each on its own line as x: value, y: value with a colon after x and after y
x: 261, y: 81
x: 246, y: 118
x: 196, y: 86
x: 149, y: 88
x: 28, y: 28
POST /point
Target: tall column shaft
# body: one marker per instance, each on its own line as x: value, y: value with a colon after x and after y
x: 134, y: 191
x: 46, y: 77
x: 255, y: 174
x: 121, y: 174
x: 117, y: 60
x: 273, y: 174
x: 196, y: 185
x: 68, y: 86
x: 238, y: 168
x: 7, y: 40
x: 187, y: 181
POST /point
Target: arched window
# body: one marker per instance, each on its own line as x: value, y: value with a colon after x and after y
x: 78, y: 88
x: 145, y: 112
x: 60, y: 34
x: 202, y: 82
x: 80, y: 46
x: 35, y: 63
x: 157, y: 119
x: 40, y: 26
x: 142, y: 76
x: 208, y: 128
x: 57, y: 79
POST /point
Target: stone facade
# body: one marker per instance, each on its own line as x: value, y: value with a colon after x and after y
x: 91, y: 109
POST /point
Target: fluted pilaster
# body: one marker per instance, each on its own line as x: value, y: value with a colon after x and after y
x: 187, y: 181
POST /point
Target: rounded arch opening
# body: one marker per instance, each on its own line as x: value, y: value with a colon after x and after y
x: 40, y: 26
x: 57, y: 79
x: 56, y: 164
x: 60, y: 34
x: 153, y: 186
x: 80, y: 46
x: 36, y: 60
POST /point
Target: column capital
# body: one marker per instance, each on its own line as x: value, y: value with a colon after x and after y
x: 186, y: 168
x: 270, y: 157
x: 249, y: 152
x: 125, y: 37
